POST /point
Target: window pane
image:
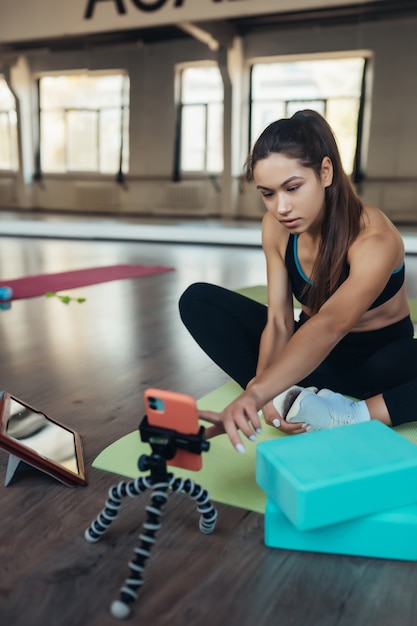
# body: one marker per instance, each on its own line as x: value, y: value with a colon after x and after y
x: 82, y: 136
x: 8, y: 129
x: 201, y: 84
x: 307, y: 79
x: 202, y: 120
x: 8, y: 141
x: 7, y: 101
x: 14, y: 157
x: 53, y: 142
x: 264, y: 114
x: 83, y: 91
x: 5, y: 141
x: 193, y: 138
x: 340, y: 114
x: 110, y: 137
x: 215, y: 138
x: 126, y: 152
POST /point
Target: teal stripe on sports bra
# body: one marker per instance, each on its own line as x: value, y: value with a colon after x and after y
x: 300, y: 269
x: 297, y: 262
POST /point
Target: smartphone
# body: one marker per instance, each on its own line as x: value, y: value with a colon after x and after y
x: 177, y: 411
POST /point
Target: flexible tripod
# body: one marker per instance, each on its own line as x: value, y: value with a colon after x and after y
x: 160, y: 481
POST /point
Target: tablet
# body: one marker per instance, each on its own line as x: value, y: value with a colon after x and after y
x: 32, y: 437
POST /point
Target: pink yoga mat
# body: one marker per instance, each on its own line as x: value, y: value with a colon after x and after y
x: 39, y: 284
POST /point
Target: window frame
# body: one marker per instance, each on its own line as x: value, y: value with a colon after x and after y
x: 13, y: 136
x: 358, y: 159
x: 179, y: 172
x: 124, y: 109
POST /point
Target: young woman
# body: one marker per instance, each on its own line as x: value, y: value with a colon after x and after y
x: 344, y: 263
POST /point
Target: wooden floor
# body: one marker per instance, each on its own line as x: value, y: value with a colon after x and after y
x: 87, y: 365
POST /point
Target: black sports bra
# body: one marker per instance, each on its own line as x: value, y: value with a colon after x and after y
x: 300, y: 282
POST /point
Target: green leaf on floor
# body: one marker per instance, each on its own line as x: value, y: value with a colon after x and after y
x: 65, y: 299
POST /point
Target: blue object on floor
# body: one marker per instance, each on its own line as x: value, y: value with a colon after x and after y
x: 388, y: 535
x: 331, y: 476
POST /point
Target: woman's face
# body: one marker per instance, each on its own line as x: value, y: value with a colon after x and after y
x: 292, y: 193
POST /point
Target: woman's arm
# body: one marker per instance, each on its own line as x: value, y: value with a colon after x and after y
x: 280, y: 322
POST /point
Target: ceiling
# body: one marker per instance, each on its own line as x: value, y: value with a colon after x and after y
x: 223, y: 32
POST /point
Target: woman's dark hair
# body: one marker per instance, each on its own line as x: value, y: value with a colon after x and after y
x: 307, y: 137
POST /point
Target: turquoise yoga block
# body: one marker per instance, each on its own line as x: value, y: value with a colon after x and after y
x: 388, y: 535
x: 334, y: 475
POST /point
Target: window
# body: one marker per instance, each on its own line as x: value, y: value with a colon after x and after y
x: 84, y: 121
x: 333, y: 87
x: 8, y: 129
x: 201, y: 120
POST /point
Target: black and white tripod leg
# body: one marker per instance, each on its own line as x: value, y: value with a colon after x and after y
x: 112, y: 507
x: 129, y: 592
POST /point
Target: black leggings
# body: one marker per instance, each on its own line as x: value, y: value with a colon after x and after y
x: 228, y: 327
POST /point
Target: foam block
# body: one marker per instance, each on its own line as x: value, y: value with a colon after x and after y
x: 389, y: 535
x: 335, y: 475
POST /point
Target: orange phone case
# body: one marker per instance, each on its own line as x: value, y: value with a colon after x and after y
x: 177, y: 411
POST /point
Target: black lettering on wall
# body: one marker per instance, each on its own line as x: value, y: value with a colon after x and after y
x: 91, y: 5
x: 148, y: 6
x: 156, y: 5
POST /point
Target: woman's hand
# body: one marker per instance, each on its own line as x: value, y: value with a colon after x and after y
x: 275, y: 420
x: 242, y: 415
x: 272, y: 418
x: 239, y: 415
x: 213, y: 418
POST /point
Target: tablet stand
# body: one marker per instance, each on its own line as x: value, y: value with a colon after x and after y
x: 12, y: 466
x: 15, y: 464
x: 164, y: 443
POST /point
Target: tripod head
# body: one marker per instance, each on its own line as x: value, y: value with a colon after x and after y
x: 165, y: 443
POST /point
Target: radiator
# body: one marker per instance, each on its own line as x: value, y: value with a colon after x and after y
x: 95, y: 196
x: 8, y: 192
x: 183, y: 197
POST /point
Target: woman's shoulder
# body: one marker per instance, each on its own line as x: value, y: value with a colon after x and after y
x: 376, y: 220
x: 274, y: 236
x: 379, y: 229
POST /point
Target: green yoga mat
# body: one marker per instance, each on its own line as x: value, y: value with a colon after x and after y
x: 228, y: 476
